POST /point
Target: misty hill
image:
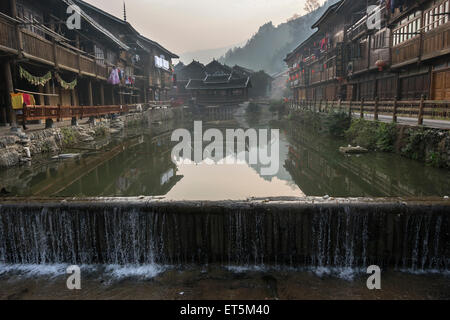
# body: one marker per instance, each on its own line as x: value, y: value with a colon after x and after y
x: 270, y: 45
x: 205, y: 56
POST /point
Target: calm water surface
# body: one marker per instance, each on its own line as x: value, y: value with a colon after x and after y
x: 310, y: 164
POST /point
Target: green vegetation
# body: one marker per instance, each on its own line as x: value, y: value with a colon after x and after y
x: 372, y: 135
x: 426, y: 145
x: 100, y: 131
x: 336, y: 123
x: 69, y: 136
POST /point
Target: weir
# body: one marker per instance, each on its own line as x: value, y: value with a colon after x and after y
x: 343, y: 233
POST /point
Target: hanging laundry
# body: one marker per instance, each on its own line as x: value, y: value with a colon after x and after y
x: 323, y: 43
x: 17, y: 101
x: 114, y: 77
x: 28, y: 99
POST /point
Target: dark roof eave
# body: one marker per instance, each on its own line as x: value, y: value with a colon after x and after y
x: 327, y: 12
x: 156, y: 44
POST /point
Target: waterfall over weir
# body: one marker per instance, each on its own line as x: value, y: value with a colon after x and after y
x: 340, y: 233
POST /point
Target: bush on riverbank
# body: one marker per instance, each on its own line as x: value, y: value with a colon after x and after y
x: 336, y: 124
x: 430, y: 146
x: 372, y: 135
x: 69, y: 136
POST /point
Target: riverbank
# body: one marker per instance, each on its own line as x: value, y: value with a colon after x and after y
x: 19, y: 148
x: 427, y: 145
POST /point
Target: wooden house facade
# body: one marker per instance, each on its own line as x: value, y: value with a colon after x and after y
x: 62, y: 66
x: 397, y: 49
x: 219, y: 83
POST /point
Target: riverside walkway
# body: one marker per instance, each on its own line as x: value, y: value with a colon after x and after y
x: 427, y: 113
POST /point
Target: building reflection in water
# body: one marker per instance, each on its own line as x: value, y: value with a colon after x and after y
x: 318, y: 168
x: 310, y: 164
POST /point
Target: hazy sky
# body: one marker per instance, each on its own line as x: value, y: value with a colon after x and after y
x: 189, y: 25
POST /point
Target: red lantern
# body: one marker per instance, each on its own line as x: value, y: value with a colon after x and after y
x: 380, y: 64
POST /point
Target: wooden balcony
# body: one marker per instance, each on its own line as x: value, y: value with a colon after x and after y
x: 327, y: 74
x: 436, y: 42
x: 406, y: 52
x: 36, y: 48
x: 431, y: 36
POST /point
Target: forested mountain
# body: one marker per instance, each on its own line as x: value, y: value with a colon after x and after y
x: 270, y: 45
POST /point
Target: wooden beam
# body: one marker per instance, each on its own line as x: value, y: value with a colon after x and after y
x: 9, y: 89
x: 90, y: 95
x: 102, y: 94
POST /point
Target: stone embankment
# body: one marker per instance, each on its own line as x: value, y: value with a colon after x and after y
x: 19, y: 147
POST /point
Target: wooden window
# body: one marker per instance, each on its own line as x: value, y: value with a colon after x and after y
x: 409, y: 28
x: 437, y: 15
x: 99, y: 54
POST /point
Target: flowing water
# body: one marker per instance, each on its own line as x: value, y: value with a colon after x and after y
x: 210, y: 247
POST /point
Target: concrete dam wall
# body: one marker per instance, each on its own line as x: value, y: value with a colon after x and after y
x: 309, y: 232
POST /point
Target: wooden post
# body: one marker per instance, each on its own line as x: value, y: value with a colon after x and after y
x: 24, y: 116
x: 102, y: 94
x: 3, y: 115
x: 421, y: 109
x: 362, y: 109
x: 375, y: 111
x: 18, y: 30
x: 340, y: 104
x: 91, y: 97
x: 59, y: 104
x: 58, y: 119
x: 113, y: 98
x: 320, y: 105
x: 394, y: 116
x: 9, y: 89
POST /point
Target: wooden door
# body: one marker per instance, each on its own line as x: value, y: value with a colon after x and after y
x: 441, y: 85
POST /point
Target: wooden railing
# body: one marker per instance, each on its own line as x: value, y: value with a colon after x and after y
x: 406, y: 51
x: 87, y: 65
x: 418, y: 109
x: 102, y: 71
x: 7, y: 35
x: 67, y: 112
x: 430, y: 35
x: 435, y: 41
x: 67, y: 58
x: 37, y: 48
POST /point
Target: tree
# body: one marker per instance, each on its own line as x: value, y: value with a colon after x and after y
x: 311, y: 5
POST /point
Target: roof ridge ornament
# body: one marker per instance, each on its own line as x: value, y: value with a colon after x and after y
x: 124, y: 11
